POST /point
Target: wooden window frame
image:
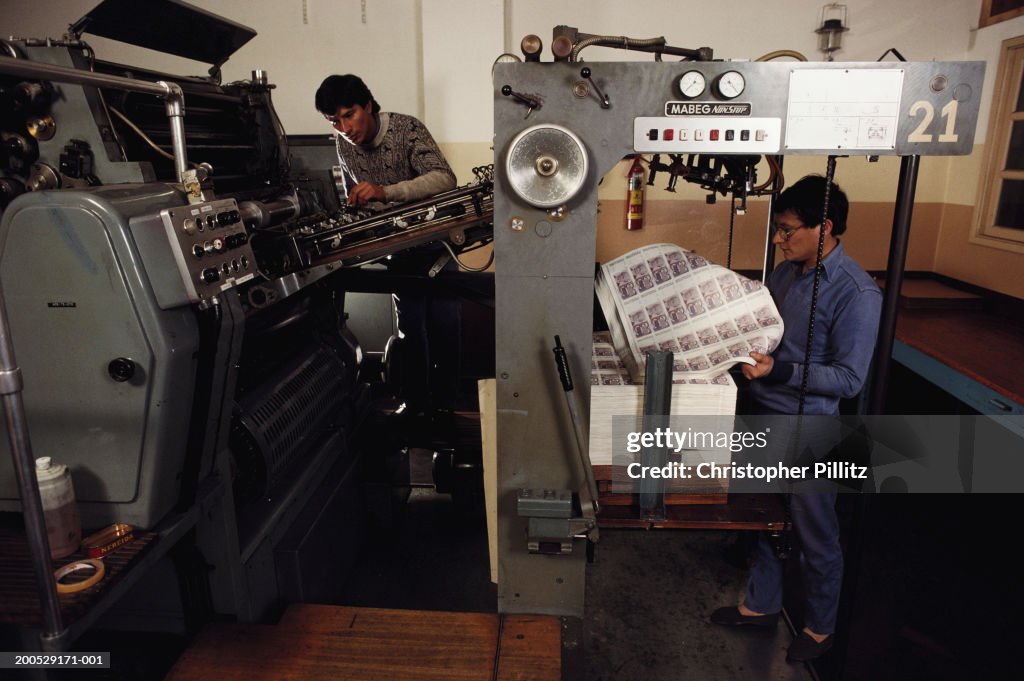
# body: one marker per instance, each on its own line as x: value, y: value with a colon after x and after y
x: 993, y: 168
x: 1014, y: 9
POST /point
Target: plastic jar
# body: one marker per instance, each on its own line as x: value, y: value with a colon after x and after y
x: 63, y: 526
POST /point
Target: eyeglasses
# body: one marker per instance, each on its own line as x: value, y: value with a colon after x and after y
x: 786, y: 233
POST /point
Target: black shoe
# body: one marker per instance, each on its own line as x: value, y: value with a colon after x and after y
x: 805, y: 648
x: 732, y: 617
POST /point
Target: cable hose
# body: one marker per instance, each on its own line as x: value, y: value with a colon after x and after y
x: 613, y: 41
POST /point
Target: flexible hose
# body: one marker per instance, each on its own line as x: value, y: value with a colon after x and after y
x: 782, y: 53
x: 613, y: 41
x: 138, y: 131
x: 463, y: 265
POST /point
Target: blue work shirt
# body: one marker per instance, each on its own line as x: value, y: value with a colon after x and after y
x: 845, y: 330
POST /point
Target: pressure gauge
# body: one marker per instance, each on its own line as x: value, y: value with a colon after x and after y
x: 692, y: 83
x: 731, y: 84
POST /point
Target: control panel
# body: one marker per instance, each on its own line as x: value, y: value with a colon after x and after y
x: 775, y: 107
x: 210, y: 248
x: 707, y: 135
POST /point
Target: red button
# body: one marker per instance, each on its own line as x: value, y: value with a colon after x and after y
x: 714, y: 134
x: 667, y: 135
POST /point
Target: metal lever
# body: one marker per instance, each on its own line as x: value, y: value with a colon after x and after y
x: 589, y: 506
x: 531, y: 102
x: 605, y: 103
x: 554, y: 520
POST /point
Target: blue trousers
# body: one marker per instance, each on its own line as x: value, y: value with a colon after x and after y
x: 821, y: 561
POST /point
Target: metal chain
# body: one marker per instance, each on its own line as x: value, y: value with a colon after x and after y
x: 781, y: 542
x: 830, y: 173
x: 732, y: 222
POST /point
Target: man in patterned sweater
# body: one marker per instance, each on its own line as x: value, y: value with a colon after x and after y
x: 392, y: 158
x: 385, y: 157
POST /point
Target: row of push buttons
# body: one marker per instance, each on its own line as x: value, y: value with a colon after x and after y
x: 220, y: 244
x: 211, y: 221
x: 234, y: 266
x: 701, y: 134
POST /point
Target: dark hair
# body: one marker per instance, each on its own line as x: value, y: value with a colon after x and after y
x: 806, y: 198
x: 338, y: 91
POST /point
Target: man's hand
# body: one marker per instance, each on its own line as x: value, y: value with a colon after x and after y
x: 365, y: 192
x: 762, y: 368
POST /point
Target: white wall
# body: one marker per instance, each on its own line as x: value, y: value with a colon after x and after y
x: 461, y: 42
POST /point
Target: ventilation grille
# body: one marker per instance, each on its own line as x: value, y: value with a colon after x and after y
x: 290, y: 413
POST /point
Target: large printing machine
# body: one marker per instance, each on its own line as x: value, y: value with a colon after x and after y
x: 171, y: 276
x: 162, y: 362
x: 560, y: 127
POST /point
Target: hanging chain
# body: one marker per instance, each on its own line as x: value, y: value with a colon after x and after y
x: 780, y: 540
x: 830, y: 173
x: 732, y: 222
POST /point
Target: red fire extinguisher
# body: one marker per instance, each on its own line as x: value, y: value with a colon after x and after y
x: 635, y: 195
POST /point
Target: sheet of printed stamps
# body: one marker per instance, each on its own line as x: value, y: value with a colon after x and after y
x: 668, y: 298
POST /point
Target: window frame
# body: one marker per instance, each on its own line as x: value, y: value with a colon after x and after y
x: 993, y: 169
x: 1013, y: 9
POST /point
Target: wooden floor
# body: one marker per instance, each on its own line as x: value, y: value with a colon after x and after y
x: 314, y: 642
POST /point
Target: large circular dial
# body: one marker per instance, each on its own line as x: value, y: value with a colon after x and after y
x: 692, y: 83
x: 546, y: 165
x: 731, y: 84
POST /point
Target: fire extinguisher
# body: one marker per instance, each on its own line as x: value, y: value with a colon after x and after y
x: 635, y: 195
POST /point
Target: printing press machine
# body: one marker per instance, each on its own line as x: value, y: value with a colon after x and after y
x: 175, y: 281
x: 210, y: 372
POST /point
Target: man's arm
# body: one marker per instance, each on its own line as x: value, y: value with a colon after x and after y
x: 429, y: 184
x: 851, y: 345
x: 433, y: 174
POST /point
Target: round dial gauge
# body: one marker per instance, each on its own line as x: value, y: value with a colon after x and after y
x: 692, y: 83
x: 731, y: 84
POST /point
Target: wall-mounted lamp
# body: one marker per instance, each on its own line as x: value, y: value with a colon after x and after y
x: 833, y: 25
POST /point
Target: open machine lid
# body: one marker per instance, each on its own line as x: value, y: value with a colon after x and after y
x: 168, y: 26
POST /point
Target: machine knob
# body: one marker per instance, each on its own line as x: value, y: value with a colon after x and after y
x: 121, y: 369
x: 236, y: 240
x: 228, y: 217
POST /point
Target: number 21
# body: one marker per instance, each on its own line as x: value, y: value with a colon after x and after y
x: 948, y: 112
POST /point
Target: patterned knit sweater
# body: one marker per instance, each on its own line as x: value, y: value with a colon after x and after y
x: 403, y: 158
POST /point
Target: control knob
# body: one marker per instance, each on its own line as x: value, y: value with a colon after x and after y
x: 121, y: 369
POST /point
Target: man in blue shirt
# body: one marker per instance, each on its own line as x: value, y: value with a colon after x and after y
x: 846, y: 315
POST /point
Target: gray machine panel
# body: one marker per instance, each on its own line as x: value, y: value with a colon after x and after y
x: 922, y: 108
x: 194, y: 252
x: 78, y: 299
x: 545, y: 257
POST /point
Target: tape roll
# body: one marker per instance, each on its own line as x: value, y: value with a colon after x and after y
x: 77, y: 566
